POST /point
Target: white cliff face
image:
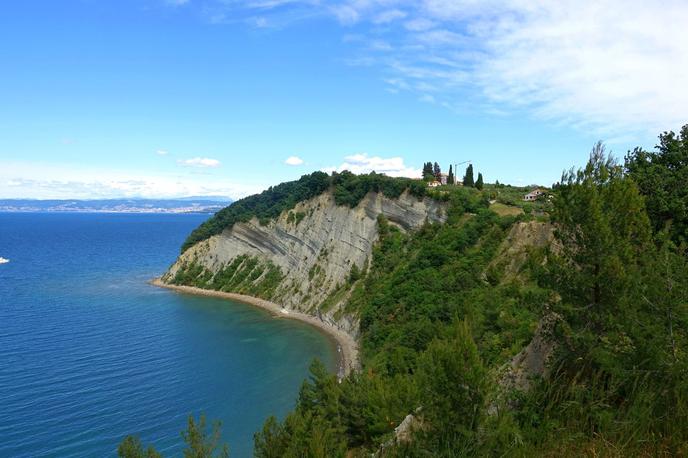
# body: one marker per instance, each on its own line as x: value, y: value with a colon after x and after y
x: 315, y: 245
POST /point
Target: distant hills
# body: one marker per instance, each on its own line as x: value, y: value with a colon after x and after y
x: 192, y: 204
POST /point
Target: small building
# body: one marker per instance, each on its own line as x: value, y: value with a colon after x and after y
x: 434, y: 184
x: 443, y: 178
x: 533, y: 195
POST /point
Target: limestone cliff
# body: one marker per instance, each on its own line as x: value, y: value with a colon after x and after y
x: 306, y: 258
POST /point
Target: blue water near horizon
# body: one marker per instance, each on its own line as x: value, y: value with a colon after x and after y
x: 89, y: 352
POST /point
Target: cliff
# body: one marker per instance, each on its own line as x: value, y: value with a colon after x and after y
x: 306, y: 259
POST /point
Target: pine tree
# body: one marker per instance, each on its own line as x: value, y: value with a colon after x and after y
x: 603, y: 230
x: 450, y: 177
x: 479, y: 183
x: 468, y: 177
x: 200, y: 444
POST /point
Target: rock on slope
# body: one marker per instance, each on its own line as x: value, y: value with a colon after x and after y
x: 303, y: 260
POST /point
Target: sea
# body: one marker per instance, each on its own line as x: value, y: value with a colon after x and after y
x: 90, y: 352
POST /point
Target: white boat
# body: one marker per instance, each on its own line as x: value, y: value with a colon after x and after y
x: 4, y: 261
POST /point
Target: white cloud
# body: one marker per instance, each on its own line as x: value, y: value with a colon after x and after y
x: 176, y: 2
x: 162, y: 152
x: 388, y: 16
x: 293, y: 160
x: 58, y: 181
x: 362, y: 163
x: 346, y: 14
x: 201, y: 162
x: 617, y: 67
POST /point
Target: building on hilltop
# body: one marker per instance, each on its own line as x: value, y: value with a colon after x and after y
x: 533, y: 195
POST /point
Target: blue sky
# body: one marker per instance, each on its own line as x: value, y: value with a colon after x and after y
x: 164, y: 98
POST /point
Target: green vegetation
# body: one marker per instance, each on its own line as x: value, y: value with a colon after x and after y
x: 244, y: 275
x: 506, y: 210
x: 440, y: 319
x: 468, y: 177
x: 479, y: 182
x: 423, y: 302
x: 662, y: 177
x: 348, y: 189
x: 199, y: 443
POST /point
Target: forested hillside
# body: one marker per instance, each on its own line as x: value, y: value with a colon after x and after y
x: 441, y: 320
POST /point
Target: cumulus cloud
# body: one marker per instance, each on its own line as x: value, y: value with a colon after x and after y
x: 200, y: 162
x: 615, y: 66
x: 293, y: 160
x: 362, y: 163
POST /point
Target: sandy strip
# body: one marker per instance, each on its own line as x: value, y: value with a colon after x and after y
x: 347, y: 347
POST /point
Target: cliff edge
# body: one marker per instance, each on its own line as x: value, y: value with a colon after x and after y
x: 307, y: 259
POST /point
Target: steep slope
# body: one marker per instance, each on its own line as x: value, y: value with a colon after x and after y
x: 305, y: 258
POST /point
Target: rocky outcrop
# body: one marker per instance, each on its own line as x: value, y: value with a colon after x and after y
x: 533, y: 361
x: 514, y: 250
x: 403, y: 433
x: 304, y: 259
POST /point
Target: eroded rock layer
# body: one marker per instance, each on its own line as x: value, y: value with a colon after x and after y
x: 305, y: 259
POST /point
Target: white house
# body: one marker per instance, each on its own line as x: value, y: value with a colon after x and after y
x: 533, y: 195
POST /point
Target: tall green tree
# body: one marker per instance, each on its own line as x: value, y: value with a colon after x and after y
x: 428, y: 174
x: 450, y: 176
x: 436, y: 170
x: 662, y: 177
x: 452, y: 380
x: 603, y: 230
x: 479, y: 182
x: 468, y: 177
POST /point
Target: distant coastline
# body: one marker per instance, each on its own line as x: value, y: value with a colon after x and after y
x: 176, y: 206
x: 347, y: 347
x: 111, y: 212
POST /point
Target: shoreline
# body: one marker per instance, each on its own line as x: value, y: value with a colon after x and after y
x: 347, y: 347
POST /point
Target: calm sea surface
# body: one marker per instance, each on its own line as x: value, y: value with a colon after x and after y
x: 89, y: 352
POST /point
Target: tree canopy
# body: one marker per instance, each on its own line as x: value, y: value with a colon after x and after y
x: 662, y: 176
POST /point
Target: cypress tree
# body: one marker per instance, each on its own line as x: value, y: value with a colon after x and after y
x: 468, y: 177
x: 450, y: 177
x: 436, y: 170
x: 479, y: 182
x: 428, y: 173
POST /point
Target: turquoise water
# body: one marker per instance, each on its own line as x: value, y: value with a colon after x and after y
x: 89, y: 352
